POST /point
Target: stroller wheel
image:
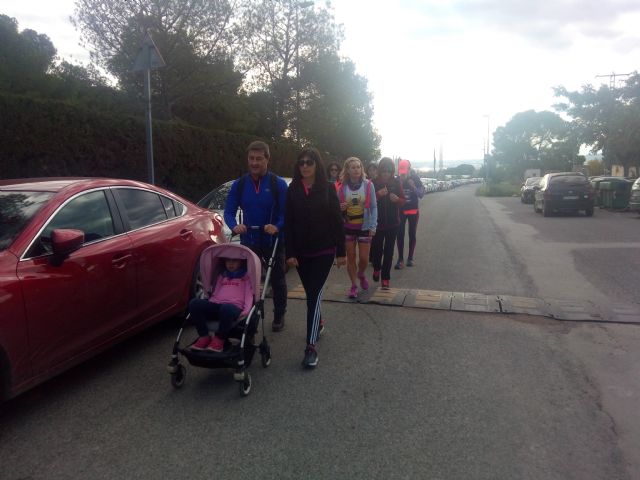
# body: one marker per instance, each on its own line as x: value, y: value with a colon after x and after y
x: 178, y: 378
x: 245, y: 385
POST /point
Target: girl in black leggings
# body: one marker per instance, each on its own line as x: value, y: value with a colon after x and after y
x: 314, y: 236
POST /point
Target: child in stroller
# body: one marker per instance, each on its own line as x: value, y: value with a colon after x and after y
x: 232, y: 311
x: 231, y: 300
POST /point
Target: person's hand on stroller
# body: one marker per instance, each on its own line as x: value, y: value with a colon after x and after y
x: 271, y: 229
x: 239, y: 229
x: 292, y: 262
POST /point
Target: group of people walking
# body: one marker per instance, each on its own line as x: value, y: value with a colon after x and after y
x: 340, y: 215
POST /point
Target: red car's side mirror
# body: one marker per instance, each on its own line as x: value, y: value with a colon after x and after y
x: 64, y: 242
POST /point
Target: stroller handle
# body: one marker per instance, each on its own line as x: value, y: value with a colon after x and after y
x: 255, y: 228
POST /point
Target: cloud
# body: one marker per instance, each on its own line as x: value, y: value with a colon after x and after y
x: 553, y: 24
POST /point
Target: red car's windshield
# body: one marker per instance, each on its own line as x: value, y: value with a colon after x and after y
x: 16, y: 210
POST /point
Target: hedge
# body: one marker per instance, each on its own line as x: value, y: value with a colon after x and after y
x: 41, y: 138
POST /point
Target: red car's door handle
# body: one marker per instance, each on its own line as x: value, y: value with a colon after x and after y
x: 119, y: 261
x: 186, y: 233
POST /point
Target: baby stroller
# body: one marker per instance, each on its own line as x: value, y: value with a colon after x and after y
x: 240, y: 345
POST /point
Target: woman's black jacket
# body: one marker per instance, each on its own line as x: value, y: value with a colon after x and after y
x: 313, y: 222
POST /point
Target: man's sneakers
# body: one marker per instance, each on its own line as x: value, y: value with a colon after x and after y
x: 310, y: 357
x: 385, y: 284
x: 399, y: 265
x: 353, y: 292
x: 376, y: 275
x: 201, y: 343
x: 409, y: 262
x: 278, y: 323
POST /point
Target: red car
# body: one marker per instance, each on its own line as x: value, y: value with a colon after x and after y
x: 87, y: 262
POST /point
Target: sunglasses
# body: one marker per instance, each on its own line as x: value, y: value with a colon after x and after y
x: 309, y: 162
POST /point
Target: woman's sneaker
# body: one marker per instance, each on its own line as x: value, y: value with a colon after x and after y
x: 399, y: 265
x: 385, y: 284
x: 376, y: 275
x: 201, y: 343
x: 310, y: 357
x: 216, y: 345
x: 409, y: 262
x: 353, y: 291
x: 364, y: 285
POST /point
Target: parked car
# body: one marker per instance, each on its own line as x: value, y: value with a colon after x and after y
x: 564, y: 192
x: 527, y: 191
x: 87, y: 262
x: 634, y: 200
x: 216, y: 200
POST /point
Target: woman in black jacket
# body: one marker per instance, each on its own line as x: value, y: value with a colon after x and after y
x: 314, y: 236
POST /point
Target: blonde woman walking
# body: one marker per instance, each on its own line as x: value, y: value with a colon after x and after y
x: 360, y: 212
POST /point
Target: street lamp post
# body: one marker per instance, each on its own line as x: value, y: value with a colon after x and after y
x: 486, y: 155
x: 299, y: 5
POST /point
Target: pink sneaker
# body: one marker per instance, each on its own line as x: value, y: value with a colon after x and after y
x: 201, y: 343
x: 385, y: 284
x: 363, y: 282
x: 353, y: 292
x: 216, y: 345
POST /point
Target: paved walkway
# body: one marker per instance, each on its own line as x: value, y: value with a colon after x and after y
x: 478, y: 302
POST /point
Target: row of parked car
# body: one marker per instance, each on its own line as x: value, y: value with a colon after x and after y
x: 574, y: 192
x: 435, y: 185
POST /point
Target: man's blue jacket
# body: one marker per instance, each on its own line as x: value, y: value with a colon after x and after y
x: 259, y: 207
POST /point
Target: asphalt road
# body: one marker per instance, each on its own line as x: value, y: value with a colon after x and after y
x: 398, y: 393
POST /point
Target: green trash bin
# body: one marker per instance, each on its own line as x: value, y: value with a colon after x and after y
x: 615, y: 193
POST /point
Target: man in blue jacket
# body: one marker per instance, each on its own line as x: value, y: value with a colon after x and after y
x: 261, y: 195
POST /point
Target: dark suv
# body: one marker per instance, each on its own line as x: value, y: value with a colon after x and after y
x: 564, y: 192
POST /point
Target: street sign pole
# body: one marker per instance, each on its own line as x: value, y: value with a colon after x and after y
x: 149, y: 127
x: 148, y: 58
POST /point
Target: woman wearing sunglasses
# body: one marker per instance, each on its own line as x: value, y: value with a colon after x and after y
x: 333, y: 173
x: 390, y: 196
x: 314, y: 236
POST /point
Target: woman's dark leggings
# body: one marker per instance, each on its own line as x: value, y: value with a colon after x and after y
x: 413, y: 227
x: 202, y: 310
x: 382, y: 248
x: 313, y: 272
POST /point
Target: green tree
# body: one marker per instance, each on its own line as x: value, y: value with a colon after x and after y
x: 337, y: 110
x: 534, y: 140
x: 594, y: 167
x: 25, y: 57
x: 607, y: 120
x: 194, y: 37
x: 279, y: 38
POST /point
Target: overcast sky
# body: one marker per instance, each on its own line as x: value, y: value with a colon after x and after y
x: 442, y: 71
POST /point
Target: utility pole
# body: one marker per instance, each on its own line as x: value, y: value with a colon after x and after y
x: 488, y: 152
x: 612, y: 78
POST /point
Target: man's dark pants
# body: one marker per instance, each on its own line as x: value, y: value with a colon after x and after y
x: 277, y: 280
